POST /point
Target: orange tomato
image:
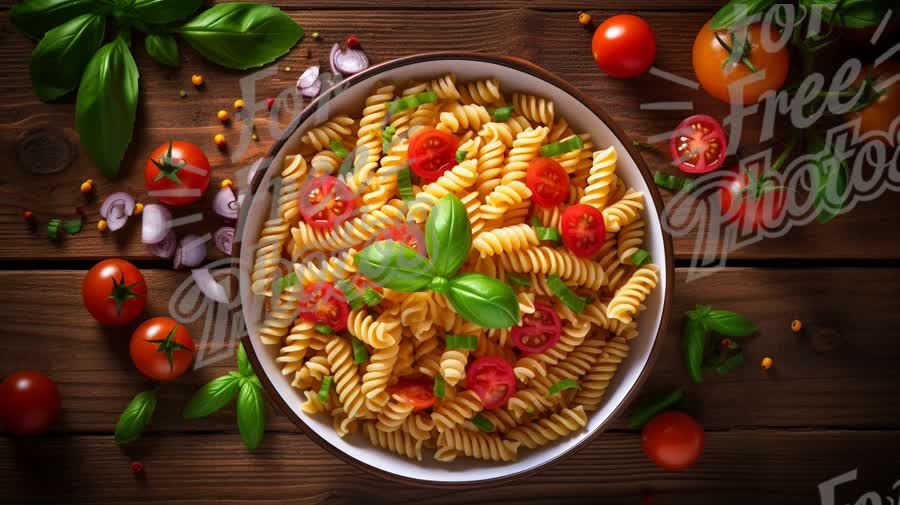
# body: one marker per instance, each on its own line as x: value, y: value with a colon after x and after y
x: 877, y: 118
x: 709, y: 55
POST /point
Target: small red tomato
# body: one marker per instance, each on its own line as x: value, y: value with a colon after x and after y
x: 177, y: 173
x: 322, y: 303
x: 418, y: 391
x: 583, y: 230
x: 624, y: 46
x: 548, y: 182
x: 431, y: 153
x: 114, y: 292
x: 698, y: 145
x: 538, y: 331
x: 29, y: 403
x: 161, y: 348
x: 493, y: 380
x: 673, y: 440
x: 353, y: 42
x: 326, y: 202
x: 410, y: 234
x: 751, y: 205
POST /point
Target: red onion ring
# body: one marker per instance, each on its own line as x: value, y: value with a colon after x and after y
x: 225, y: 203
x: 224, y: 239
x: 164, y: 248
x: 116, y: 209
x: 208, y: 286
x: 309, y: 77
x: 312, y: 91
x: 155, y: 223
x: 191, y: 252
x: 348, y: 61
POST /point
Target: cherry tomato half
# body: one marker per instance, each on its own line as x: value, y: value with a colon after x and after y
x: 322, y: 303
x: 29, y: 403
x: 161, y: 348
x: 418, y: 391
x: 877, y: 119
x: 583, y: 230
x: 493, y: 380
x: 326, y: 202
x: 673, y: 440
x: 431, y: 153
x: 114, y: 292
x: 548, y: 182
x: 624, y: 46
x: 751, y: 209
x: 410, y: 234
x: 175, y: 167
x: 698, y: 145
x: 538, y: 331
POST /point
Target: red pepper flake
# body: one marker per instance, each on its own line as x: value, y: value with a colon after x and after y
x: 137, y: 467
x: 727, y: 343
x: 353, y: 42
x: 28, y: 215
x: 270, y: 102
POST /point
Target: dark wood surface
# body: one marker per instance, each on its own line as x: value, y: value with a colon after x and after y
x: 772, y: 437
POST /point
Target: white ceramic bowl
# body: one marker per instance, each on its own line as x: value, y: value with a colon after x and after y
x: 585, y: 116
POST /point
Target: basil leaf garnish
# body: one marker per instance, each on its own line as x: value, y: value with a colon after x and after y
x: 693, y: 346
x: 251, y: 414
x: 212, y: 397
x: 729, y: 323
x: 244, y: 366
x: 163, y: 48
x: 484, y: 300
x: 448, y: 235
x: 161, y: 11
x: 60, y: 57
x: 395, y: 266
x: 35, y: 18
x: 135, y: 417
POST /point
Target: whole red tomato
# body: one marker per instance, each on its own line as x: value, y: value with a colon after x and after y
x: 878, y: 118
x: 177, y: 173
x: 673, y: 440
x: 162, y: 349
x: 624, y: 46
x: 750, y: 203
x: 29, y: 403
x: 114, y: 292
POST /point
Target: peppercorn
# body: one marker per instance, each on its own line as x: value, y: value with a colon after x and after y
x: 197, y: 80
x: 137, y: 467
x: 226, y: 183
x: 138, y: 208
x: 182, y: 93
x: 223, y: 116
x: 353, y: 42
x: 254, y: 137
x: 101, y: 225
x: 796, y: 325
x: 219, y: 139
x: 584, y: 18
x: 87, y: 186
x: 270, y: 102
x: 315, y: 35
x: 767, y: 363
x: 238, y: 105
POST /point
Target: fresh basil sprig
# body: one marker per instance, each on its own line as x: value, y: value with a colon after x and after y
x: 478, y: 298
x: 163, y: 48
x: 34, y: 18
x: 60, y: 57
x: 697, y: 326
x: 135, y: 418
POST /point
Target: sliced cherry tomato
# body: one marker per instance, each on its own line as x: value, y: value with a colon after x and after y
x: 673, y: 440
x: 29, y: 403
x: 114, y: 292
x: 751, y: 204
x: 177, y: 173
x: 326, y: 202
x: 431, y: 153
x: 699, y: 145
x: 493, y: 380
x: 583, y: 230
x: 624, y: 46
x: 548, y: 182
x: 161, y: 348
x: 538, y: 331
x: 418, y: 391
x: 322, y: 303
x: 410, y: 234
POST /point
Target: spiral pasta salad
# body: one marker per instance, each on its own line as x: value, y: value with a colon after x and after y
x: 454, y: 269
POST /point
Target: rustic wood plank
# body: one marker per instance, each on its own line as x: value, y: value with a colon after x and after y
x: 550, y: 39
x: 737, y: 467
x: 45, y: 327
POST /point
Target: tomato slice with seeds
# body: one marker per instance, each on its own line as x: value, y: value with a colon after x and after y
x: 548, y: 182
x: 326, y: 202
x: 493, y: 380
x: 699, y: 145
x: 431, y: 153
x: 418, y: 391
x: 410, y: 234
x: 583, y: 230
x: 538, y: 331
x: 322, y: 303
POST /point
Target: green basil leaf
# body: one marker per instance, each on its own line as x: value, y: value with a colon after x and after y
x: 853, y: 13
x: 106, y: 105
x: 243, y: 363
x: 135, y: 417
x: 829, y: 179
x: 723, y: 367
x: 212, y: 397
x: 58, y: 60
x: 34, y: 18
x: 241, y: 35
x: 161, y: 11
x: 484, y: 300
x: 395, y: 266
x: 693, y: 345
x: 737, y: 11
x: 251, y: 415
x: 163, y: 48
x: 653, y: 405
x: 729, y: 324
x: 448, y: 235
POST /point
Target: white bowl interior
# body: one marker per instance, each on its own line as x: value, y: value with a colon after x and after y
x: 582, y: 119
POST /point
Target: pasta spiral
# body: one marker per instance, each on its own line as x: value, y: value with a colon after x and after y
x: 454, y: 412
x: 370, y: 140
x: 485, y: 446
x: 346, y: 378
x: 445, y: 87
x: 378, y: 373
x: 546, y: 260
x: 525, y: 148
x: 542, y: 432
x: 484, y: 92
x: 537, y: 109
x: 394, y: 414
x: 601, y: 179
x: 490, y: 166
x: 322, y: 135
x: 454, y: 181
x: 630, y: 239
x: 398, y: 442
x: 453, y: 365
x: 628, y: 298
x: 456, y: 116
x: 379, y: 333
x: 595, y: 383
x: 623, y: 212
x: 503, y: 240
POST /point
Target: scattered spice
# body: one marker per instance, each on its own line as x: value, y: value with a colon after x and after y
x: 137, y: 467
x: 219, y: 139
x: 182, y: 93
x: 315, y: 35
x: 767, y: 363
x: 223, y: 116
x: 197, y: 80
x: 727, y: 343
x: 353, y: 42
x: 269, y: 103
x: 87, y: 186
x: 796, y: 325
x: 254, y: 137
x: 28, y: 215
x: 138, y: 208
x: 238, y: 105
x: 287, y: 69
x: 227, y: 183
x: 102, y: 225
x: 584, y: 18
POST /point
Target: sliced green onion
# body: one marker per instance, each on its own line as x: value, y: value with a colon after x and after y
x: 324, y: 329
x: 483, y: 424
x: 371, y: 297
x: 408, y: 102
x: 530, y: 409
x: 53, y: 229
x: 545, y: 232
x: 566, y: 295
x: 469, y: 342
x: 518, y: 281
x: 404, y: 185
x: 461, y: 155
x: 562, y: 147
x: 72, y: 227
x: 338, y: 147
x: 360, y: 353
x: 501, y: 114
x: 640, y: 258
x: 440, y: 386
x: 324, y: 388
x: 351, y: 293
x: 287, y: 281
x: 563, y: 384
x: 388, y: 136
x: 672, y: 182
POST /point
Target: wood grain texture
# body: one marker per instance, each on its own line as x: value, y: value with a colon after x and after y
x: 549, y: 38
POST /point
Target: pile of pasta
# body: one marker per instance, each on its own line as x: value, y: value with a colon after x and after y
x: 404, y: 334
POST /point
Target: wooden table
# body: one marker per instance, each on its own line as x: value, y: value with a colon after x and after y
x: 771, y: 437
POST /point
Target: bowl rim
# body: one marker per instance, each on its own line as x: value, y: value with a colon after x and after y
x: 547, y: 76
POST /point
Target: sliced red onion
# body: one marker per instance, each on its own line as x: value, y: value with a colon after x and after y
x: 225, y: 203
x: 312, y: 91
x: 155, y: 224
x: 347, y: 61
x: 208, y: 286
x: 191, y: 252
x: 309, y: 77
x: 165, y: 248
x: 116, y: 209
x: 224, y: 239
